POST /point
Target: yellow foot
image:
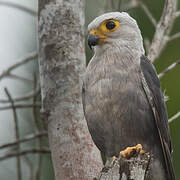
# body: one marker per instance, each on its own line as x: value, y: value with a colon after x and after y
x: 131, y: 151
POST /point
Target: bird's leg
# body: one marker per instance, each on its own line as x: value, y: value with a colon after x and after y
x: 131, y: 151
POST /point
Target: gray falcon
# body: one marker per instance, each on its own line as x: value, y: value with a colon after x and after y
x: 122, y: 99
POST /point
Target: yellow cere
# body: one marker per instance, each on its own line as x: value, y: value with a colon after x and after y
x: 102, y: 31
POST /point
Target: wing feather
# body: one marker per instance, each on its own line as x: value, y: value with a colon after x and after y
x: 151, y: 86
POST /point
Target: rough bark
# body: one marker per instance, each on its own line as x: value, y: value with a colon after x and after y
x: 62, y: 61
x: 126, y: 169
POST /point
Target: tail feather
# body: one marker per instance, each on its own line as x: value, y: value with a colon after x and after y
x: 168, y: 161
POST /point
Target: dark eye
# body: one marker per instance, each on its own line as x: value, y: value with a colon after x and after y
x: 110, y: 25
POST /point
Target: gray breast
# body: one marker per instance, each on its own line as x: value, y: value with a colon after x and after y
x: 116, y: 108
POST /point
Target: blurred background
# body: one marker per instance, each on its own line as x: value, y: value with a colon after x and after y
x: 18, y: 43
x: 18, y: 35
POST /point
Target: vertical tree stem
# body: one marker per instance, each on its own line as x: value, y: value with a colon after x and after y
x: 62, y: 62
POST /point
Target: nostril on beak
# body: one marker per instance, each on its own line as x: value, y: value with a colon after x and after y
x: 92, y: 40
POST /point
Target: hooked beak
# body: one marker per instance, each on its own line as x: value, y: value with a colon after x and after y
x: 92, y: 40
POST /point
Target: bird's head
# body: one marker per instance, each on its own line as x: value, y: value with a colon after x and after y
x: 114, y: 29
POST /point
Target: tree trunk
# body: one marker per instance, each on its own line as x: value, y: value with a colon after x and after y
x: 62, y: 62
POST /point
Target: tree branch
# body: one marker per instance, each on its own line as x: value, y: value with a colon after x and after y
x: 26, y: 139
x: 38, y: 130
x: 177, y: 115
x: 16, y: 127
x: 22, y: 153
x: 17, y: 6
x: 20, y: 106
x: 175, y: 36
x: 14, y: 76
x: 25, y: 60
x: 23, y: 98
x: 163, y: 29
x: 169, y: 68
x: 147, y: 12
x: 177, y: 14
x: 126, y: 169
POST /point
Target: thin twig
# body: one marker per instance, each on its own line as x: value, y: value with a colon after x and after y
x: 172, y: 66
x: 17, y: 6
x: 20, y: 106
x: 147, y: 12
x: 26, y: 139
x: 22, y: 153
x: 14, y: 76
x: 35, y: 120
x: 177, y: 115
x: 175, y: 36
x: 23, y: 98
x: 25, y: 60
x: 177, y: 14
x: 16, y: 134
x: 37, y: 128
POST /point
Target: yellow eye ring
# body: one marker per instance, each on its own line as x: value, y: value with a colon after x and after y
x: 108, y: 26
